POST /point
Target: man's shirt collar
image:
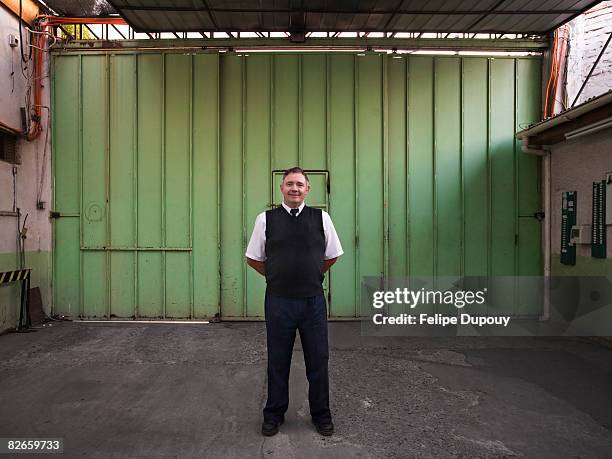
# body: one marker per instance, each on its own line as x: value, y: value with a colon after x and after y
x: 288, y: 209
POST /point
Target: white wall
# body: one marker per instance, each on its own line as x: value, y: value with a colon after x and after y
x: 589, y: 32
x: 33, y: 173
x: 575, y: 165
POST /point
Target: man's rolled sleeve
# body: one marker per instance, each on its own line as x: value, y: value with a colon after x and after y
x: 256, y: 250
x: 333, y: 248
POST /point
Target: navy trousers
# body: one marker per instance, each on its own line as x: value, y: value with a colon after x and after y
x: 283, y: 317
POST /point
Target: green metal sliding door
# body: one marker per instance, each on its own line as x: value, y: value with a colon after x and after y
x: 162, y: 161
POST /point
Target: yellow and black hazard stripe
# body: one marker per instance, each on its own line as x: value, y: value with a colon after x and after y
x: 13, y: 276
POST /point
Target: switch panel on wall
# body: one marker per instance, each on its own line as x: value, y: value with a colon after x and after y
x: 598, y: 221
x: 608, y: 198
x: 581, y: 234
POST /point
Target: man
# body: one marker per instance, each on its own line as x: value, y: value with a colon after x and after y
x: 293, y: 246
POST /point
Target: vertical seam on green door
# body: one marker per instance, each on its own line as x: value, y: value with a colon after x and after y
x: 107, y: 186
x: 135, y: 187
x: 489, y: 200
x: 407, y: 166
x: 272, y: 115
x: 385, y: 158
x: 435, y: 175
x: 218, y: 142
x: 163, y: 182
x: 190, y: 239
x: 80, y: 169
x: 461, y: 169
x: 515, y: 186
x: 52, y: 59
x: 300, y: 110
x: 356, y: 162
x: 328, y: 162
x: 243, y: 207
x: 489, y: 188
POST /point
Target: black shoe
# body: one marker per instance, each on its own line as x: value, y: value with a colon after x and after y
x: 324, y: 428
x: 269, y: 428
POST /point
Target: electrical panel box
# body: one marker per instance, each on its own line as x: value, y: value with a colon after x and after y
x: 581, y: 234
x: 608, y: 207
x: 568, y: 220
x: 599, y: 245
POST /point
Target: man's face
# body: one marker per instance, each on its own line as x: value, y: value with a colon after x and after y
x: 295, y: 188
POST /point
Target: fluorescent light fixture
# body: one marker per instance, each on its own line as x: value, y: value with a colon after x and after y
x: 393, y: 51
x: 299, y: 50
x: 435, y: 52
x: 497, y: 53
x: 590, y: 129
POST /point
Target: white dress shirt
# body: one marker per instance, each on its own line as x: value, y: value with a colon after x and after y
x: 256, y: 250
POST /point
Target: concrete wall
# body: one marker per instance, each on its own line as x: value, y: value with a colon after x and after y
x: 588, y: 34
x: 32, y: 175
x: 575, y: 165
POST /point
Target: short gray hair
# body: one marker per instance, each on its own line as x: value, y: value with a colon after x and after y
x: 295, y: 170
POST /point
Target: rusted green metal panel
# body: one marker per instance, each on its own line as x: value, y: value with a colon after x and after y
x: 257, y: 164
x: 502, y: 168
x: 447, y: 159
x: 232, y: 238
x: 121, y: 184
x: 177, y: 184
x: 163, y: 160
x: 313, y: 119
x: 150, y: 149
x: 343, y: 198
x: 369, y: 167
x: 528, y: 103
x: 475, y: 169
x: 448, y: 166
x: 421, y: 166
x: 528, y: 77
x: 398, y: 168
x: 95, y: 215
x: 66, y: 137
x: 475, y: 125
x: 206, y: 182
x: 285, y: 109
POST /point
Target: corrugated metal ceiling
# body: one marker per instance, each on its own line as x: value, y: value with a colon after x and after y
x: 81, y: 8
x: 475, y: 16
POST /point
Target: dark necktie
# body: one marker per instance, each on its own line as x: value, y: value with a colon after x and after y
x: 294, y: 212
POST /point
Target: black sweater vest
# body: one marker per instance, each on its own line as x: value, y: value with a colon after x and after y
x: 295, y: 248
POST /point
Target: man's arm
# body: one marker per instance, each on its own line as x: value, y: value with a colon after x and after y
x: 333, y: 248
x: 328, y: 263
x: 256, y: 250
x: 259, y: 266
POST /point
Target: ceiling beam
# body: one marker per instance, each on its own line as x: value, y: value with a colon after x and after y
x: 189, y: 9
x: 454, y: 44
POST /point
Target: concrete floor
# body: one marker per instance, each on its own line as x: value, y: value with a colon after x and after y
x: 174, y: 390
